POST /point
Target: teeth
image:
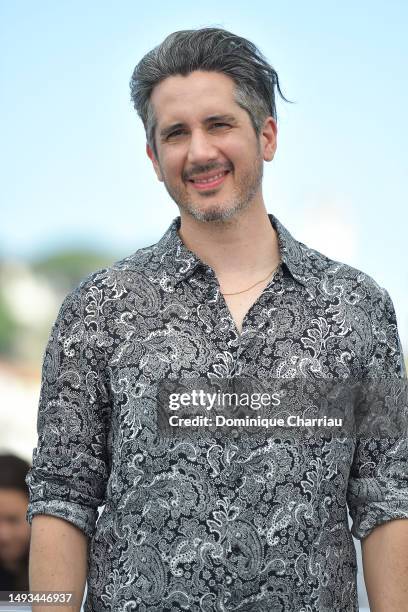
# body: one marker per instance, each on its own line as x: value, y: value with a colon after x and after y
x: 209, y: 180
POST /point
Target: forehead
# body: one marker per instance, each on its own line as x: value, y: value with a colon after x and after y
x: 186, y: 98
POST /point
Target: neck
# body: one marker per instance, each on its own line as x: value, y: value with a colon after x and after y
x: 241, y: 248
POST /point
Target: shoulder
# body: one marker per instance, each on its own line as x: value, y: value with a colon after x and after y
x: 101, y: 296
x: 352, y: 284
x: 361, y: 304
x: 114, y: 280
x: 93, y: 312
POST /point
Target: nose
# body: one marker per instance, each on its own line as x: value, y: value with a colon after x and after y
x: 201, y: 150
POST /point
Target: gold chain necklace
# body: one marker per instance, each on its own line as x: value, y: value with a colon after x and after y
x: 254, y: 285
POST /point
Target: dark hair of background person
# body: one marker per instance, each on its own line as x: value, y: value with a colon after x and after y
x: 13, y: 471
x: 207, y: 49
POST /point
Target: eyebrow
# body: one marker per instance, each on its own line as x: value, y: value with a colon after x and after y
x: 176, y: 126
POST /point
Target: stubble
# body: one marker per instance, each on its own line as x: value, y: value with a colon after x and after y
x: 242, y: 196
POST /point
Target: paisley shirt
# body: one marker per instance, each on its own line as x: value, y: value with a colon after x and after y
x: 213, y: 524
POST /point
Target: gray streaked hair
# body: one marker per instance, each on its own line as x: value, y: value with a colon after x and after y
x: 208, y: 49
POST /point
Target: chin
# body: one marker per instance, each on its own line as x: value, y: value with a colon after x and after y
x: 211, y: 213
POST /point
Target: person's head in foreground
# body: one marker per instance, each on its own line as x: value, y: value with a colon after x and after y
x: 207, y: 101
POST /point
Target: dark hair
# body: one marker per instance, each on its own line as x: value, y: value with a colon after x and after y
x: 13, y: 471
x: 209, y: 49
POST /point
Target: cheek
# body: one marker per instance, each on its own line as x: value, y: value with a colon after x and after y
x: 172, y: 166
x: 237, y: 152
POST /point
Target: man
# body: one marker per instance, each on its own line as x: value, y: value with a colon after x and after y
x: 214, y: 522
x: 14, y: 530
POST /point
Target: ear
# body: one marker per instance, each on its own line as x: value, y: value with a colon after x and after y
x: 154, y: 161
x: 268, y: 138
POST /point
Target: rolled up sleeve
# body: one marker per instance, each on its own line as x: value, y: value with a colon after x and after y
x: 71, y: 463
x: 378, y: 483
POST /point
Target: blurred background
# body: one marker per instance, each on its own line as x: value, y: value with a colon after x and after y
x: 78, y: 191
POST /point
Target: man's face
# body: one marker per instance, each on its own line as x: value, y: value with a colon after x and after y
x: 14, y: 529
x: 208, y: 154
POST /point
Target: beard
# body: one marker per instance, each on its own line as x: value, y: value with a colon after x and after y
x: 243, y: 194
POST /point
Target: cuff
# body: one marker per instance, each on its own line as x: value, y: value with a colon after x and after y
x: 368, y: 516
x: 81, y: 517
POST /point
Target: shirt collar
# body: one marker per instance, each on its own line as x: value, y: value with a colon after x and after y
x: 172, y: 261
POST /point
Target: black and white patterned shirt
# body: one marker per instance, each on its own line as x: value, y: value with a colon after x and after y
x: 217, y: 524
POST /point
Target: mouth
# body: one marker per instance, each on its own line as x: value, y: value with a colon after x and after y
x: 210, y: 182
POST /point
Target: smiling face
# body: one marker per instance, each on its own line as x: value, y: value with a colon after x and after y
x: 208, y: 155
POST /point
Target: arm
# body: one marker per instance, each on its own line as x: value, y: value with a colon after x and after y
x: 71, y: 462
x: 385, y: 562
x: 58, y: 560
x: 378, y: 483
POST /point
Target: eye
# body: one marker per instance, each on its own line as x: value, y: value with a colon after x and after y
x: 220, y: 124
x: 175, y: 133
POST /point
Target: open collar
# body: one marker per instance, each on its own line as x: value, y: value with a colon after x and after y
x: 172, y: 261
